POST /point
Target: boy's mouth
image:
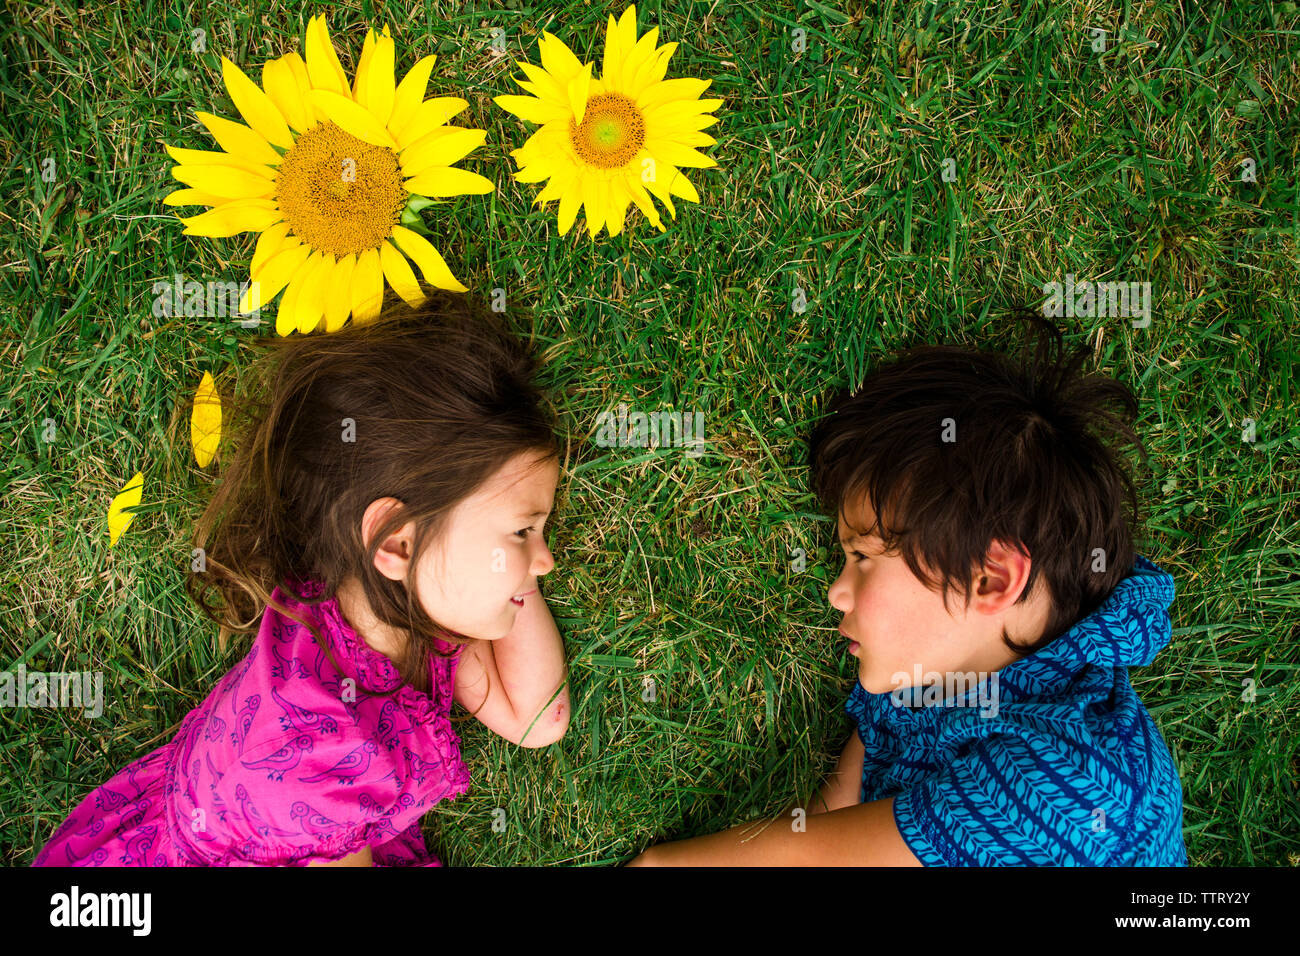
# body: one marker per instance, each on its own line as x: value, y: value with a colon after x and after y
x: 518, y: 599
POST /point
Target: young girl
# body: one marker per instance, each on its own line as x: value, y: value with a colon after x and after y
x: 385, y: 508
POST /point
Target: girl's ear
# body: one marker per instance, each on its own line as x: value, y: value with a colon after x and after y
x: 394, y: 553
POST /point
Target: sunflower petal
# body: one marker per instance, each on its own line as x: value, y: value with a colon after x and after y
x: 399, y: 275
x: 337, y: 298
x: 310, y: 304
x: 679, y: 88
x: 431, y: 263
x: 363, y: 66
x: 203, y: 157
x: 273, y: 275
x: 367, y: 287
x: 225, y: 181
x: 408, y: 96
x: 232, y: 218
x: 531, y: 109
x: 193, y: 197
x: 442, y: 147
x: 323, y: 65
x: 269, y: 243
x: 679, y: 185
x: 377, y: 93
x: 205, y: 421
x: 255, y: 106
x: 611, y: 68
x: 557, y: 59
x: 286, y: 319
x: 439, y: 181
x: 238, y: 140
x: 281, y: 83
x: 578, y: 90
x: 428, y: 116
x: 353, y: 118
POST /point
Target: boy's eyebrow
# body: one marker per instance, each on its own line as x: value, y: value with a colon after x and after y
x: 535, y: 514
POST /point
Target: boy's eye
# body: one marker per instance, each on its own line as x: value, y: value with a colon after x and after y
x: 523, y: 532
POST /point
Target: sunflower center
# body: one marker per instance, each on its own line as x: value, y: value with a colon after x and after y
x: 337, y: 193
x: 611, y: 132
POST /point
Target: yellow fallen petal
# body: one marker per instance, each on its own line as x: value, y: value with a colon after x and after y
x: 273, y: 276
x: 205, y: 421
x: 442, y: 147
x: 428, y: 116
x: 408, y: 96
x: 255, y: 106
x: 399, y: 275
x: 353, y: 118
x: 438, y: 181
x: 281, y: 83
x: 338, y: 302
x: 238, y: 140
x: 431, y: 263
x: 323, y: 65
x: 232, y: 218
x: 225, y: 181
x: 128, y: 497
x: 367, y: 287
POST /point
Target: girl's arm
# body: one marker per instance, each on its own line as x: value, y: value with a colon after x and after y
x: 519, y: 674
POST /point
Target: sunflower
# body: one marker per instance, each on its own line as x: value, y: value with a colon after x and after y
x: 610, y: 140
x: 333, y: 177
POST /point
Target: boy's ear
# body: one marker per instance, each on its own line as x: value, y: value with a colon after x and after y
x: 1002, y: 578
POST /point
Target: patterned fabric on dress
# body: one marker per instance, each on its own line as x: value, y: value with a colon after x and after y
x: 1061, y: 766
x: 286, y: 762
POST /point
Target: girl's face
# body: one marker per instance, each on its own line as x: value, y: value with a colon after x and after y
x: 478, y: 577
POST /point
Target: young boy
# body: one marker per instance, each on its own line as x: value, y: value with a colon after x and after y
x: 1000, y: 730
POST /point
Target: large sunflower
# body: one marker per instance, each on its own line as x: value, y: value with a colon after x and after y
x: 333, y: 177
x: 615, y: 139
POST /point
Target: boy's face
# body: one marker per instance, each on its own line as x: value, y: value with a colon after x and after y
x: 897, y: 623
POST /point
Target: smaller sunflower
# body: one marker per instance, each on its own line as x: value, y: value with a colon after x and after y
x: 615, y: 139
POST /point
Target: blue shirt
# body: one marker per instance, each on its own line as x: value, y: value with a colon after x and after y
x: 1051, y: 760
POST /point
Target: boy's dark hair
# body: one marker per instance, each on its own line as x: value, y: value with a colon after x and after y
x: 440, y: 397
x: 1033, y: 462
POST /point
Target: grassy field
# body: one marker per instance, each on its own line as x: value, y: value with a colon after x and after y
x: 1126, y: 164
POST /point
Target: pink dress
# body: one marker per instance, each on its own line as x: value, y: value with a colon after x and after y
x: 286, y: 762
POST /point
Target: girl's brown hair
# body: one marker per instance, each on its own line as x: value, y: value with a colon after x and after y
x: 1034, y: 460
x: 422, y: 405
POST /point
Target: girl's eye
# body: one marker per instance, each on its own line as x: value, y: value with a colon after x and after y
x: 860, y: 556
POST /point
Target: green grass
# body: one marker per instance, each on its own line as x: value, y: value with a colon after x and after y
x: 1122, y: 165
